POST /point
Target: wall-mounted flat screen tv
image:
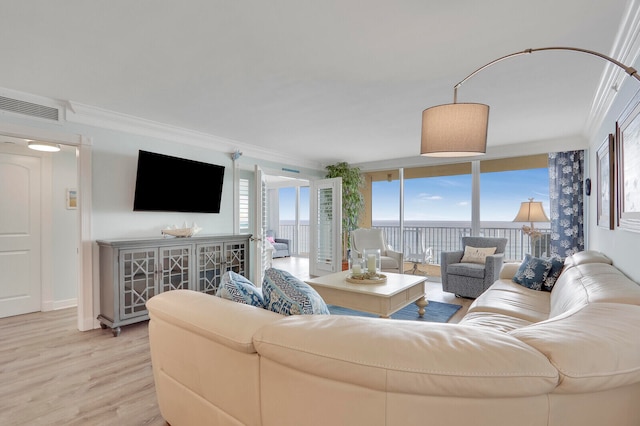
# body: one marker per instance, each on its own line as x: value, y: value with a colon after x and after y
x: 172, y: 184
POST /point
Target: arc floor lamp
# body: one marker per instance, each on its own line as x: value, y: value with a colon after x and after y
x: 460, y: 129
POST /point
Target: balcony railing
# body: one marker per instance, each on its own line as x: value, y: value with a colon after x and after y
x: 438, y: 237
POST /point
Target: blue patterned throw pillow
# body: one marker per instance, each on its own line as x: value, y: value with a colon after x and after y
x: 237, y: 288
x: 557, y: 264
x: 287, y: 295
x: 532, y: 272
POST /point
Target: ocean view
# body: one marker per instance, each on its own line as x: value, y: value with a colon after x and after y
x: 438, y: 235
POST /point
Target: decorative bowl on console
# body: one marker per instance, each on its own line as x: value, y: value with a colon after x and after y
x: 183, y: 232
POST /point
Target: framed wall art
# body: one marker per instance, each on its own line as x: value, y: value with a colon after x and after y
x: 605, y: 186
x: 72, y: 199
x: 627, y: 149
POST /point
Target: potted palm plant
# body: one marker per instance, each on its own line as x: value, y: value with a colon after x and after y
x: 352, y: 200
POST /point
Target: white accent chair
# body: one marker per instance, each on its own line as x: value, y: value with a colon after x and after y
x: 371, y: 238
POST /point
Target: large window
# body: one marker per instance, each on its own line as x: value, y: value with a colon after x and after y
x: 502, y: 192
x: 442, y: 198
x: 439, y: 209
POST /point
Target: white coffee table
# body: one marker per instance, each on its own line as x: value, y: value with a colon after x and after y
x: 397, y: 292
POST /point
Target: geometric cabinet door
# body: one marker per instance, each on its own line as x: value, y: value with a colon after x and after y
x: 175, y: 268
x: 137, y: 280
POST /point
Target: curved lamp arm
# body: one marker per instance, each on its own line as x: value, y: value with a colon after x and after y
x: 457, y: 130
x: 629, y: 70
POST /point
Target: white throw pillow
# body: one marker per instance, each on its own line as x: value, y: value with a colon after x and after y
x: 477, y: 255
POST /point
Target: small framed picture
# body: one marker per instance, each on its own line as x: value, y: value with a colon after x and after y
x: 605, y: 183
x: 72, y: 198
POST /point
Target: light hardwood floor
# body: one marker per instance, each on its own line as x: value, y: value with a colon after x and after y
x: 53, y: 374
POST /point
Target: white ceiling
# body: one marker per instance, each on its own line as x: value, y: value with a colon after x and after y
x: 321, y: 81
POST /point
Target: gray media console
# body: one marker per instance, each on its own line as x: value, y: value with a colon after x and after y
x: 134, y: 270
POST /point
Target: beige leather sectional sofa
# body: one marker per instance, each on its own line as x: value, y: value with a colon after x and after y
x: 519, y: 357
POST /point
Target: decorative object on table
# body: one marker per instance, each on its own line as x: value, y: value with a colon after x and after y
x: 460, y: 129
x: 352, y: 199
x: 531, y: 211
x: 183, y: 232
x: 371, y: 258
x: 605, y: 183
x: 628, y: 157
x: 367, y: 278
x: 355, y: 264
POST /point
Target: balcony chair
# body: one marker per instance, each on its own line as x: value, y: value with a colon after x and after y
x: 370, y: 238
x: 281, y: 246
x: 471, y: 279
x: 423, y: 256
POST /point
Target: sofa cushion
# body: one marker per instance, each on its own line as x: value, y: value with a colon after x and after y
x: 508, y: 298
x: 473, y: 270
x: 557, y: 265
x: 477, y: 254
x: 493, y: 321
x: 532, y: 272
x: 594, y: 347
x: 287, y: 295
x: 592, y: 282
x: 237, y: 288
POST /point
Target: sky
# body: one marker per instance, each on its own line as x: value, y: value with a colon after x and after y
x: 446, y: 197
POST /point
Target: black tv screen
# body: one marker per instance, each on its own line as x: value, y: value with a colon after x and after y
x: 172, y: 184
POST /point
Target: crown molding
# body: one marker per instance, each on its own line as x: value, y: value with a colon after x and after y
x: 575, y: 142
x: 98, y: 117
x: 626, y: 49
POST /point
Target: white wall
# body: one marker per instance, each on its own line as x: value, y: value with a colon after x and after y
x: 64, y: 229
x: 114, y: 165
x: 620, y: 245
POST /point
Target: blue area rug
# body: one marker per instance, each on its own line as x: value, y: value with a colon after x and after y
x: 434, y: 312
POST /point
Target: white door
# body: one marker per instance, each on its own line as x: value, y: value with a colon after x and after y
x: 20, y: 281
x: 260, y: 260
x: 325, y: 227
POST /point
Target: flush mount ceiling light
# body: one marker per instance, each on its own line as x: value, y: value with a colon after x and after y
x: 44, y: 146
x: 460, y: 129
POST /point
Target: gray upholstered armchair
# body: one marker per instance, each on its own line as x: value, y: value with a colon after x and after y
x: 281, y: 246
x: 471, y: 279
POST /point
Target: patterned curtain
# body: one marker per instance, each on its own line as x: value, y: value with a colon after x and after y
x: 566, y: 176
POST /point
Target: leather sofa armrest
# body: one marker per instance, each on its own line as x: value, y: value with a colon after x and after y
x: 509, y: 270
x: 229, y: 323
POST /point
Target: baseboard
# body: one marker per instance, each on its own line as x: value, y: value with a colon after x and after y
x: 54, y: 305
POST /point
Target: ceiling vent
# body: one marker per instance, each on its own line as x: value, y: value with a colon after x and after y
x: 30, y: 109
